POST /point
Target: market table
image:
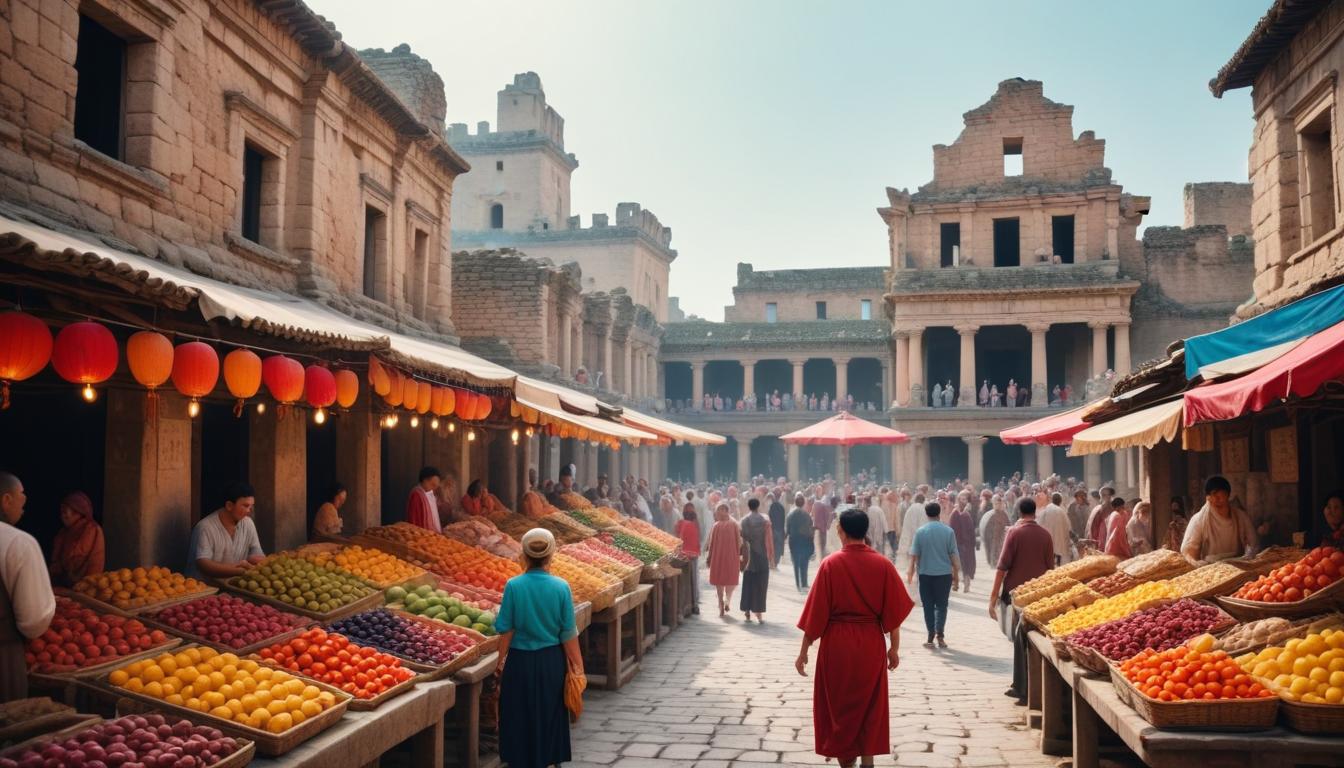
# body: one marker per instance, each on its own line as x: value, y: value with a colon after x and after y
x: 617, y: 670
x: 1049, y: 678
x: 652, y: 611
x: 470, y: 680
x: 670, y: 616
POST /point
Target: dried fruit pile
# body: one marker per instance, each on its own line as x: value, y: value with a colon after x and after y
x: 130, y: 588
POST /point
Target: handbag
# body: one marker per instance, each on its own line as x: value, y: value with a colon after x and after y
x: 575, y: 684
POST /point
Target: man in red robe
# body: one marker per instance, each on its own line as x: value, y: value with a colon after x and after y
x: 856, y: 599
x: 422, y: 507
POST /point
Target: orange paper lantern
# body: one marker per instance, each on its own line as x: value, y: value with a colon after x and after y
x: 283, y: 377
x: 150, y: 358
x: 347, y: 388
x: 85, y: 353
x: 483, y: 407
x: 378, y: 378
x: 319, y: 386
x: 25, y: 349
x: 242, y: 373
x: 424, y: 397
x: 466, y: 404
x: 393, y: 396
x: 195, y: 372
x: 410, y: 393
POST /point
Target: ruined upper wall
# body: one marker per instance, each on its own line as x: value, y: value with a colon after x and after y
x: 1213, y: 203
x: 414, y: 81
x: 1018, y: 114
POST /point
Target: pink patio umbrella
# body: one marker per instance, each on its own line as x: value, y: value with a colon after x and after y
x: 845, y: 429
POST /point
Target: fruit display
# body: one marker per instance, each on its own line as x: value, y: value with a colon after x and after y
x: 1114, y: 584
x: 1044, y: 585
x: 1110, y: 608
x: 1308, y: 669
x: 585, y: 581
x: 227, y: 621
x: 374, y: 566
x: 225, y: 687
x: 612, y: 553
x: 403, y: 533
x: 1275, y: 630
x: 460, y: 563
x: 598, y: 518
x: 1158, y: 564
x: 535, y: 506
x: 1205, y: 578
x: 81, y: 637
x: 568, y: 500
x: 480, y: 532
x: 1192, y: 671
x: 138, y: 741
x: 447, y: 607
x: 1298, y: 580
x: 514, y: 525
x: 135, y: 588
x: 1158, y: 628
x: 1089, y: 567
x: 567, y: 530
x: 646, y: 551
x: 364, y: 673
x: 1049, y: 607
x: 601, y: 561
x: 420, y: 642
x: 24, y: 710
x: 303, y: 584
x: 652, y: 533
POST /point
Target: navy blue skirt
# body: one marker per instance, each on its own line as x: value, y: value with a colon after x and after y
x: 533, y: 721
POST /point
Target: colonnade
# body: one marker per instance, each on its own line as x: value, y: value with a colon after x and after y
x: 840, y: 390
x: 629, y: 365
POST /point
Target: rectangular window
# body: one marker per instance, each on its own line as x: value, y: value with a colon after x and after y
x: 100, y: 69
x: 1061, y: 238
x: 419, y: 274
x: 1012, y: 156
x: 1007, y: 243
x: 499, y: 165
x: 253, y: 162
x: 865, y: 309
x: 950, y: 244
x: 1317, y: 185
x: 771, y: 312
x: 821, y: 310
x: 375, y: 251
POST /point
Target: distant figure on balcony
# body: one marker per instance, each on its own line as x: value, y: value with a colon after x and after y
x: 984, y: 394
x: 948, y: 394
x: 1023, y: 396
x: 1066, y: 394
x: 786, y: 402
x: 994, y: 397
x: 937, y: 395
x: 708, y: 404
x: 1055, y: 397
x: 812, y: 403
x: 825, y: 401
x: 581, y: 375
x: 1012, y: 393
x: 849, y: 402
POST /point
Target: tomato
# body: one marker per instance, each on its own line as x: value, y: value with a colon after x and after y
x: 1292, y: 594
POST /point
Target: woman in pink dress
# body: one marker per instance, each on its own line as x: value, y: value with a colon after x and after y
x: 725, y: 547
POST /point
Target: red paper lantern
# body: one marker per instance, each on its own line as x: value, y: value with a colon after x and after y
x: 150, y: 358
x: 25, y: 349
x: 242, y: 375
x: 378, y: 378
x: 347, y: 388
x: 424, y: 397
x: 483, y: 407
x: 195, y: 372
x: 410, y: 393
x: 393, y: 396
x: 85, y: 353
x: 283, y: 377
x: 466, y: 404
x: 319, y: 386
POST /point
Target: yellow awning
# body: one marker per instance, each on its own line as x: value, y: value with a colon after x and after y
x: 1144, y: 428
x: 671, y: 430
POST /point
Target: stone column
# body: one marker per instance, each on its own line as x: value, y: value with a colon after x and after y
x: 1028, y: 460
x: 748, y: 378
x: 886, y: 385
x: 1122, y: 361
x: 697, y: 385
x: 918, y: 387
x: 1045, y: 461
x: 791, y: 454
x: 701, y: 463
x: 576, y: 353
x: 902, y: 368
x: 1098, y: 349
x: 566, y: 345
x: 590, y: 464
x: 1040, y: 390
x: 797, y: 377
x: 1092, y: 471
x: 627, y: 368
x: 1122, y: 485
x: 278, y: 469
x: 651, y: 375
x: 841, y: 468
x: 359, y: 440
x: 975, y: 459
x: 607, y: 372
x: 967, y: 386
x: 743, y: 459
x: 841, y: 377
x: 925, y: 462
x: 147, y: 480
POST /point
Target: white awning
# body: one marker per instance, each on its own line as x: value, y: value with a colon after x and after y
x: 671, y: 430
x: 1144, y: 428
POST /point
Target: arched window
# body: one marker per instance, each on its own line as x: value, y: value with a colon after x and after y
x: 497, y: 216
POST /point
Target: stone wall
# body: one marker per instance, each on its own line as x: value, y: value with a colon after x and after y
x: 1219, y: 202
x: 505, y: 295
x: 414, y: 81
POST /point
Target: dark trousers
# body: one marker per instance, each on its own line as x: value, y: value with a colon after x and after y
x: 891, y: 543
x: 1019, y: 653
x: 934, y: 592
x: 800, y: 551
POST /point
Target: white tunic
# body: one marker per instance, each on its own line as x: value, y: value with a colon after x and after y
x: 24, y: 574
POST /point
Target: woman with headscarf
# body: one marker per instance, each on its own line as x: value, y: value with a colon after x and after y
x: 993, y: 530
x: 724, y: 556
x: 79, y: 548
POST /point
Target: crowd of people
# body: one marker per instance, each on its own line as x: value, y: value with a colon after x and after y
x: 771, y: 402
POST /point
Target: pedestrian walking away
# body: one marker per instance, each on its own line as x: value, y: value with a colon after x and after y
x: 1028, y: 552
x: 799, y: 525
x: 688, y: 530
x: 759, y: 543
x: 934, y: 556
x: 857, y: 599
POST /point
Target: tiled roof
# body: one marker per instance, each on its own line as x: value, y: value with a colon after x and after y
x: 1275, y: 30
x: 989, y: 279
x: 697, y: 334
x: 826, y: 278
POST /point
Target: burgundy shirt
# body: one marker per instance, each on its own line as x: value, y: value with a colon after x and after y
x: 1028, y: 552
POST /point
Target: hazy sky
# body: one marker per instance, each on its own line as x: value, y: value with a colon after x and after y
x: 766, y: 132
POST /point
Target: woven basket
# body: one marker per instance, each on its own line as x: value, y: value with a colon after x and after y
x: 1025, y: 597
x: 1089, y: 660
x: 1321, y: 601
x: 371, y: 600
x: 606, y: 597
x: 356, y: 704
x: 1313, y: 718
x: 1220, y: 715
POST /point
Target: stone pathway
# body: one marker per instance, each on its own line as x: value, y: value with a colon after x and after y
x: 719, y: 693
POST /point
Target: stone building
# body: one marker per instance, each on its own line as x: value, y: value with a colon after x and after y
x: 1019, y: 262
x: 245, y: 145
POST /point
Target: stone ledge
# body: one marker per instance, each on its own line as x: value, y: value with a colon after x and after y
x: 258, y: 254
x: 145, y: 185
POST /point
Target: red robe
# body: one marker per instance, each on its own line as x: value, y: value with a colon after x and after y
x: 418, y: 511
x: 855, y: 600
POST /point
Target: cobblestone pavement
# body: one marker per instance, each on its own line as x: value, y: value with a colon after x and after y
x: 721, y: 693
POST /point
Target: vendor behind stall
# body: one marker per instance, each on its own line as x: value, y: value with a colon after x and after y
x: 422, y: 506
x: 79, y: 548
x: 26, y: 603
x: 327, y: 521
x: 1332, y: 533
x: 225, y: 542
x: 473, y: 502
x: 1218, y: 530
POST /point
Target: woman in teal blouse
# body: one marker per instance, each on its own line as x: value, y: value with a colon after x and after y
x: 538, y: 643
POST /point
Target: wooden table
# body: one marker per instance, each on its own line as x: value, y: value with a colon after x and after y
x: 616, y: 668
x: 652, y: 611
x: 1050, y: 678
x: 670, y: 616
x: 467, y: 713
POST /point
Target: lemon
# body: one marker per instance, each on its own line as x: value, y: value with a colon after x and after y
x: 280, y: 723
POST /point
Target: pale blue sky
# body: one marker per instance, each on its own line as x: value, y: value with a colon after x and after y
x: 767, y: 131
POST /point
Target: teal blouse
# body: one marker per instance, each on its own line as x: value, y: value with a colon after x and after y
x: 538, y: 609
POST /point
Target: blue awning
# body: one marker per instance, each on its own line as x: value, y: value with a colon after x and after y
x: 1279, y: 328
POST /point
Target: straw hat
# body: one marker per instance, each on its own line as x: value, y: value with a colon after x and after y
x: 538, y: 543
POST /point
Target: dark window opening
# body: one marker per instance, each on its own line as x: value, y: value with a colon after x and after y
x: 1007, y: 244
x: 950, y: 253
x: 100, y: 68
x: 1318, y: 173
x: 499, y: 165
x: 821, y: 310
x: 545, y: 225
x: 1061, y: 238
x: 1012, y: 156
x: 419, y: 277
x: 375, y: 245
x: 253, y: 163
x: 497, y: 216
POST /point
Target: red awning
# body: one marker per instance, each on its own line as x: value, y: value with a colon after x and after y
x: 845, y: 429
x: 1055, y: 429
x: 1300, y: 372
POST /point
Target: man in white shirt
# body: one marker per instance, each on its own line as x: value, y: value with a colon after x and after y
x: 914, y: 518
x: 225, y: 543
x: 1218, y: 530
x: 27, y: 603
x: 1054, y: 519
x: 877, y: 522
